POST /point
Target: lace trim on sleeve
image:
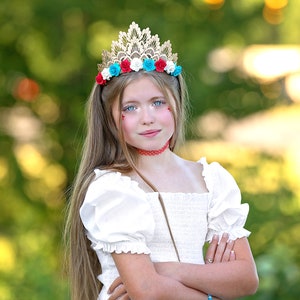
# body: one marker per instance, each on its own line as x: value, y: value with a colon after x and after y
x: 122, y: 247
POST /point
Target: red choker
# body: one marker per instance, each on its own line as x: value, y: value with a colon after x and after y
x: 154, y: 152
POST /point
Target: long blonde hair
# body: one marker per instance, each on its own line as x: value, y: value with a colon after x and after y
x: 105, y: 148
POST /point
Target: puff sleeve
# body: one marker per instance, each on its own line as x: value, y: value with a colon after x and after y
x: 116, y: 214
x: 225, y: 211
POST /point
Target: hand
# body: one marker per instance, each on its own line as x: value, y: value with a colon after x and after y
x: 117, y: 290
x: 220, y: 251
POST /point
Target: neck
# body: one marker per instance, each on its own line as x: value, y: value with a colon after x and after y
x: 154, y: 152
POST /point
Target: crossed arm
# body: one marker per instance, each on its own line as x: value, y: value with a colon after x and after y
x: 231, y: 275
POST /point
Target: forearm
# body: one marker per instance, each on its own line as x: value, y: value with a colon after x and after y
x: 139, y: 280
x: 225, y: 280
x: 169, y: 288
x: 226, y: 277
x: 228, y: 280
x: 156, y: 287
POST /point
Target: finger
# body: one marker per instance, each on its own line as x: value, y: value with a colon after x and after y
x: 232, y: 255
x: 115, y: 284
x: 227, y: 251
x: 124, y: 297
x: 221, y: 248
x: 118, y: 293
x: 210, y: 253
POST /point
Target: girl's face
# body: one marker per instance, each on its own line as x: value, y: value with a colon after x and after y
x: 147, y: 120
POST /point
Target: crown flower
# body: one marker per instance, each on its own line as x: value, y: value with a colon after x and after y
x: 134, y: 51
x: 100, y: 80
x: 114, y: 69
x: 160, y: 65
x: 136, y: 64
x: 148, y: 65
x: 125, y: 66
x: 170, y: 67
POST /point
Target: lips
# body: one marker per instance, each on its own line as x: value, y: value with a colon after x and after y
x: 150, y: 133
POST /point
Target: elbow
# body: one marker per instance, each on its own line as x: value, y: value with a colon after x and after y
x: 250, y: 281
x: 253, y: 285
x: 250, y: 285
x: 247, y: 287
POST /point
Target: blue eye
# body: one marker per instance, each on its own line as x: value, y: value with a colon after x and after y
x: 159, y: 102
x: 129, y: 108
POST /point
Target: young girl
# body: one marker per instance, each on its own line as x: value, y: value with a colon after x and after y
x: 139, y: 214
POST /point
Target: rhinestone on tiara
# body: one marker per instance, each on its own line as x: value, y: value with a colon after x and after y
x: 134, y: 51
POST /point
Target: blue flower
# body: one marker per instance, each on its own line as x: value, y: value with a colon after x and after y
x: 177, y: 71
x: 115, y: 69
x: 148, y: 65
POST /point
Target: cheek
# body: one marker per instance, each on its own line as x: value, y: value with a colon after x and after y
x: 128, y: 124
x: 167, y: 114
x: 166, y: 117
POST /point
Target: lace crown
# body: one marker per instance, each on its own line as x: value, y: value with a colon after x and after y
x: 136, y: 50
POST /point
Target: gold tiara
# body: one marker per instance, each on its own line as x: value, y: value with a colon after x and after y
x: 134, y: 51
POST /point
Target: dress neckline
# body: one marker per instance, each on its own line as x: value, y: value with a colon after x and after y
x: 201, y: 161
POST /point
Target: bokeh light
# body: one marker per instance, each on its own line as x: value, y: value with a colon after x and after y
x: 292, y: 85
x: 30, y: 159
x: 273, y: 11
x: 47, y: 109
x: 271, y: 62
x: 214, y: 4
x: 7, y: 255
x: 20, y: 123
x: 276, y: 4
x: 26, y: 89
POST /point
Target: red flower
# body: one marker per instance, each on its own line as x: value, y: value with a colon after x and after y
x: 160, y: 65
x: 99, y: 79
x: 125, y: 66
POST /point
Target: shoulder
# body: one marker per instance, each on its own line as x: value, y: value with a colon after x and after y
x: 194, y: 166
x: 202, y: 167
x: 114, y: 203
x: 116, y: 214
x: 213, y: 168
x: 216, y: 176
x: 187, y: 176
x: 107, y: 180
x: 107, y: 176
x: 208, y: 165
x: 111, y: 187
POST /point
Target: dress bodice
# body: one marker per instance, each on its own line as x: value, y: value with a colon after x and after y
x: 120, y: 217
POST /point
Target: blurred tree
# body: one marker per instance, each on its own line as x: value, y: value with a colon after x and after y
x: 48, y: 55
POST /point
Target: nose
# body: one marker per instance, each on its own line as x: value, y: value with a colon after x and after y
x: 147, y: 116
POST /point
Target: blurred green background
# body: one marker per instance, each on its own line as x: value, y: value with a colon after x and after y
x: 242, y: 63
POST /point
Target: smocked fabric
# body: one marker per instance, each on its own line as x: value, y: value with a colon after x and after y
x: 120, y: 217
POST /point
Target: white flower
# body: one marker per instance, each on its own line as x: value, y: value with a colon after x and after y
x: 106, y: 74
x: 170, y: 67
x: 136, y: 64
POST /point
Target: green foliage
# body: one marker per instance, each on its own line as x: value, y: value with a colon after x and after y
x: 48, y: 55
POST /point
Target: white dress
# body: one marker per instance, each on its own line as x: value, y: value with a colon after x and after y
x: 120, y: 217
